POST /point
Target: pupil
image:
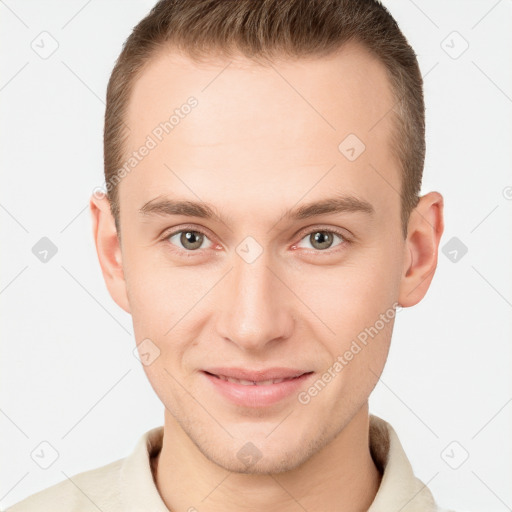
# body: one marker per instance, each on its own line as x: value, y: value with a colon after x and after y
x: 191, y: 240
x: 323, y: 239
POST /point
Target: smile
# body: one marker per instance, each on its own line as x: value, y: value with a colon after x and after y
x: 252, y: 382
x: 261, y: 389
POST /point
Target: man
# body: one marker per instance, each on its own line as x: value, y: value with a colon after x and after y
x: 262, y: 225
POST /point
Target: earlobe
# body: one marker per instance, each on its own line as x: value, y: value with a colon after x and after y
x: 425, y: 228
x: 108, y: 248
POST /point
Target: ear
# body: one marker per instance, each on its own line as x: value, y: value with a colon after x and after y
x: 108, y: 248
x: 426, y: 225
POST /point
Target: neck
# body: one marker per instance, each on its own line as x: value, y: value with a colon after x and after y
x: 341, y: 476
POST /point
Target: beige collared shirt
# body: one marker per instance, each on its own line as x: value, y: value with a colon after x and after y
x: 127, y: 484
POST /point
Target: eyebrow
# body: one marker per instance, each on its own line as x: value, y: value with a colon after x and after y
x: 163, y: 206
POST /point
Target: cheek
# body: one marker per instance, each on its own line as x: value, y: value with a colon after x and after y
x: 169, y: 304
x: 158, y: 294
x: 352, y: 295
x: 356, y: 303
x: 361, y: 314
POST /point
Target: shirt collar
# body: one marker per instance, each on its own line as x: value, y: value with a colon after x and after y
x: 399, y: 489
x: 137, y: 486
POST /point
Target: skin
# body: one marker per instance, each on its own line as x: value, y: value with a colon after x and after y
x: 253, y: 148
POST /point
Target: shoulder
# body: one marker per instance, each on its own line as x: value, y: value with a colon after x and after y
x: 93, y: 490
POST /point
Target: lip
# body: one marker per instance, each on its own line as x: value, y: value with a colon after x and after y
x: 256, y: 375
x: 250, y: 395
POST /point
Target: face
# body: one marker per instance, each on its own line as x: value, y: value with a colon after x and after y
x: 295, y: 259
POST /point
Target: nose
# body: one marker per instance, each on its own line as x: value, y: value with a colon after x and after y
x: 256, y: 308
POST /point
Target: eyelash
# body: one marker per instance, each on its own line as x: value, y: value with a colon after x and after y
x: 344, y: 240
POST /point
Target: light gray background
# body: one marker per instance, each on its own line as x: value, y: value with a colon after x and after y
x: 69, y: 376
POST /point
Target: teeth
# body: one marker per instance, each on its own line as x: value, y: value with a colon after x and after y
x: 267, y: 382
x: 244, y: 382
x: 250, y: 382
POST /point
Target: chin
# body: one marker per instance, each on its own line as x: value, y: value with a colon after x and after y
x: 271, y: 456
x: 265, y: 466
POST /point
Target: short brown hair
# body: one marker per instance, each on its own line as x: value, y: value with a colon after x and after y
x: 260, y: 30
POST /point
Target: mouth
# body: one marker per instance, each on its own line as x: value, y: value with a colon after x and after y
x: 245, y: 382
x: 256, y: 388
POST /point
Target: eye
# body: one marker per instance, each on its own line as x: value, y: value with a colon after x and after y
x: 190, y: 239
x: 322, y: 239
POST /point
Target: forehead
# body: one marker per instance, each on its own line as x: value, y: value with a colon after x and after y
x: 258, y: 126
